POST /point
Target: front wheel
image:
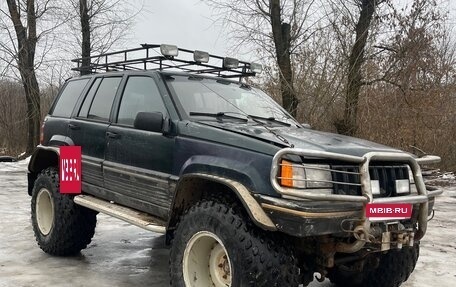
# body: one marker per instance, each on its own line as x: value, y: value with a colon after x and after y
x: 394, y: 268
x: 215, y: 245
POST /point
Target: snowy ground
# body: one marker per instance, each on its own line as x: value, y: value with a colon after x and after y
x: 124, y: 255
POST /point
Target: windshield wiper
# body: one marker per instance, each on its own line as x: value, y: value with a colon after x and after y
x: 219, y: 115
x: 269, y: 119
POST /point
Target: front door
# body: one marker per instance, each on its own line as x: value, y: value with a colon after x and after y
x: 138, y: 163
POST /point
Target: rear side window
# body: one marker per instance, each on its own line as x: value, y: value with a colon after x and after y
x: 140, y: 95
x: 101, y: 104
x: 65, y: 104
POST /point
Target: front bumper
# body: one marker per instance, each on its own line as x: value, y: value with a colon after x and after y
x: 301, y: 216
x: 315, y: 218
x: 309, y: 218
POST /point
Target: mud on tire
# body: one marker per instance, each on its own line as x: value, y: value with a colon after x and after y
x: 61, y: 227
x: 394, y: 268
x: 256, y: 258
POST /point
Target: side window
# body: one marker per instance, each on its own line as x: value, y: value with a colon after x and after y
x: 140, y: 95
x: 84, y: 111
x: 104, y: 96
x: 68, y: 98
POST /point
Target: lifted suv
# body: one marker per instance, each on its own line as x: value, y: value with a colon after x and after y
x: 244, y: 193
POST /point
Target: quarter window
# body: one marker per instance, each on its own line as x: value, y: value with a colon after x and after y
x: 68, y: 98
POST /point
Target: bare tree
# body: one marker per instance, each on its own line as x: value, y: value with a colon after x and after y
x: 13, y: 124
x: 348, y: 124
x: 281, y: 32
x: 277, y: 27
x: 85, y: 32
x: 102, y: 24
x: 383, y: 38
x: 26, y: 37
x: 319, y: 79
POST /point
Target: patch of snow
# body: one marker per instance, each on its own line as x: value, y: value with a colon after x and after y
x: 448, y: 175
x: 18, y: 166
x: 449, y: 191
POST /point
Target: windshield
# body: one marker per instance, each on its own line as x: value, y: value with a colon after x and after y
x: 211, y: 96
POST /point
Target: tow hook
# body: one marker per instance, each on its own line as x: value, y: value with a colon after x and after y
x: 320, y: 276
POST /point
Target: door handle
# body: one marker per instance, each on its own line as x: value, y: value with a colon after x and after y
x: 112, y: 135
x: 74, y: 127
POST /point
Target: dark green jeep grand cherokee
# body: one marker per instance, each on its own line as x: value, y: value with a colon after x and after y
x: 245, y: 194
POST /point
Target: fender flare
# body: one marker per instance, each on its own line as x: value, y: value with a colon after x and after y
x: 253, y: 208
x: 42, y: 157
x: 42, y: 153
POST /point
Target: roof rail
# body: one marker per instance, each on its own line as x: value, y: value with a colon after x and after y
x: 167, y: 57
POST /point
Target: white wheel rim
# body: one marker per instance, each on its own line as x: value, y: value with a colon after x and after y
x: 44, y: 211
x: 206, y: 262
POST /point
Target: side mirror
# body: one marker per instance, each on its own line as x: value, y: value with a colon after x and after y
x: 306, y: 125
x: 152, y: 122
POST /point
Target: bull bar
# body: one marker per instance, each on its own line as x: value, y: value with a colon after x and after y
x: 422, y: 198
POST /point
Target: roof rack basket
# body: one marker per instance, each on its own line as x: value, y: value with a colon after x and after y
x: 165, y: 57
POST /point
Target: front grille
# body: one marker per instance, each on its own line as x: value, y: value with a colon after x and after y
x: 385, y: 174
x: 346, y: 174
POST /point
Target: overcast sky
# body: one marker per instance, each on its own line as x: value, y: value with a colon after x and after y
x: 185, y: 23
x: 189, y: 24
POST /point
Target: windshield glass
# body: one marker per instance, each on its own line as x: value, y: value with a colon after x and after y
x: 202, y: 95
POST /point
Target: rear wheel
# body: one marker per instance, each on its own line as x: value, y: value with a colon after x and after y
x: 215, y: 245
x: 61, y: 227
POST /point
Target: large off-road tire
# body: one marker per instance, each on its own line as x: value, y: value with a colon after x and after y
x: 61, y: 227
x: 393, y: 269
x: 216, y: 245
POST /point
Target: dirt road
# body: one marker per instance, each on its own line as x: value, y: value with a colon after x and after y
x: 124, y: 255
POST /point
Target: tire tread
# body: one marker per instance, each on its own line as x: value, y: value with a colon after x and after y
x: 73, y: 226
x: 267, y: 261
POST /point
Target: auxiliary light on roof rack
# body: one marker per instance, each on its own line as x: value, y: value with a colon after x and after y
x: 168, y: 57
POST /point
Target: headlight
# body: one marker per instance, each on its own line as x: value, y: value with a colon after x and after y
x: 402, y: 186
x: 305, y: 175
x: 318, y: 176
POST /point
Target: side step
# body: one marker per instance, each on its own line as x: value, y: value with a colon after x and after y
x: 129, y: 215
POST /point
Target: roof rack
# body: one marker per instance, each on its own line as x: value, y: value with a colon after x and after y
x: 147, y: 57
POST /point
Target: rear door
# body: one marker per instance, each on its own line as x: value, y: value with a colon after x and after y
x: 56, y: 127
x: 138, y: 163
x: 88, y: 130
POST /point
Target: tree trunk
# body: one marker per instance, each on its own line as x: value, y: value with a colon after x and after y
x: 26, y: 62
x: 348, y: 125
x: 32, y: 97
x: 282, y: 40
x: 85, y: 30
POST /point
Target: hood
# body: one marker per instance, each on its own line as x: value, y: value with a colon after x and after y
x: 306, y: 138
